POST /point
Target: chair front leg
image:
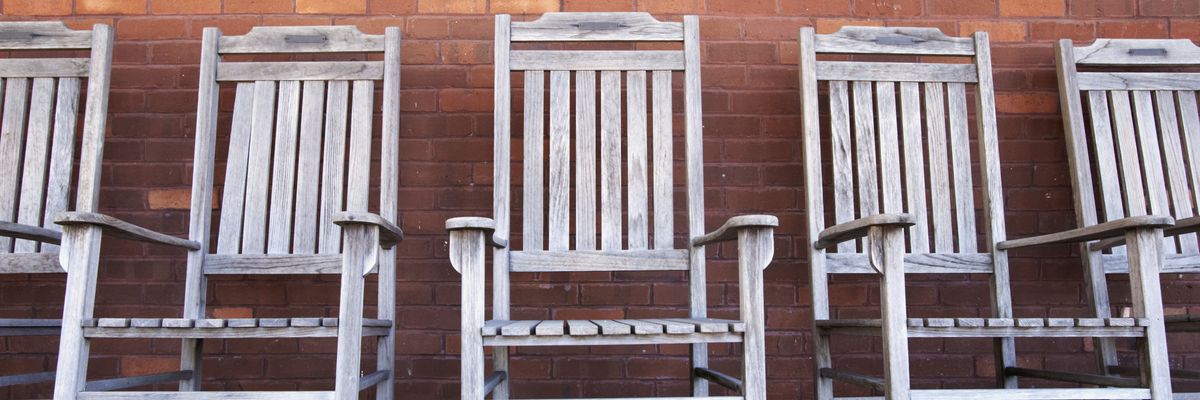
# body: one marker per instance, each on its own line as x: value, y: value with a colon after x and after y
x: 80, y: 256
x: 360, y: 255
x: 887, y: 256
x: 1145, y: 261
x: 466, y: 253
x: 755, y: 250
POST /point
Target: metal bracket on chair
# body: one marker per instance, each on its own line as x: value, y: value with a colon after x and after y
x: 1148, y: 52
x: 305, y: 39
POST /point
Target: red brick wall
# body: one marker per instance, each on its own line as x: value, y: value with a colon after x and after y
x: 753, y: 160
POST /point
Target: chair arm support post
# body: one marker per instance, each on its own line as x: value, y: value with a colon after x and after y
x: 1145, y: 264
x: 467, y: 255
x: 886, y: 255
x: 80, y: 256
x: 361, y: 254
x: 755, y: 251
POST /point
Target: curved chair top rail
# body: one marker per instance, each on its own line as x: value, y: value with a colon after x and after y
x: 597, y: 27
x: 1134, y: 52
x: 893, y: 40
x: 301, y: 39
x: 43, y: 35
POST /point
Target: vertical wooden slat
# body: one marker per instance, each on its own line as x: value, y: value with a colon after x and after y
x: 283, y: 174
x: 939, y: 164
x: 865, y: 151
x: 1147, y: 132
x: 1181, y: 195
x: 814, y: 201
x: 635, y: 101
x: 33, y: 173
x: 960, y: 156
x: 333, y: 165
x: 914, y: 165
x: 389, y: 190
x: 558, y: 234
x: 1106, y: 157
x: 12, y: 141
x: 664, y: 203
x: 610, y: 160
x: 1131, y: 164
x: 358, y: 178
x: 585, y: 160
x: 62, y: 153
x: 1189, y: 127
x: 254, y: 222
x: 233, y: 199
x: 843, y: 168
x: 889, y: 147
x: 532, y: 210
x: 308, y: 172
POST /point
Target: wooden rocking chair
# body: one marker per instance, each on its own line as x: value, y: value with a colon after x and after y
x: 1133, y: 136
x: 890, y: 123
x: 624, y: 244
x: 37, y: 146
x: 281, y: 212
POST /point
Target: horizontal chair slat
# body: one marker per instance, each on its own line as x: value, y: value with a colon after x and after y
x: 43, y: 35
x: 596, y: 60
x: 1138, y: 81
x: 896, y: 72
x: 569, y: 26
x: 928, y: 263
x: 592, y: 260
x: 306, y: 71
x: 1172, y: 263
x: 30, y: 263
x: 301, y: 39
x: 207, y: 395
x: 43, y: 67
x: 272, y: 264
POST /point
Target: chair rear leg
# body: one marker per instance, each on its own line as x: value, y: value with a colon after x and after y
x: 81, y: 257
x: 500, y: 363
x: 190, y: 356
x: 822, y: 358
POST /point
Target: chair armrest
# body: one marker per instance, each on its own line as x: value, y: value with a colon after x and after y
x: 1105, y: 230
x: 855, y: 229
x: 487, y: 225
x: 35, y: 233
x: 1182, y: 226
x: 123, y: 229
x: 389, y: 233
x: 729, y: 230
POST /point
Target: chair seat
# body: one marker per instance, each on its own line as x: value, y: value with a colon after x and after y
x: 611, y: 332
x: 996, y: 327
x: 29, y: 327
x: 224, y: 328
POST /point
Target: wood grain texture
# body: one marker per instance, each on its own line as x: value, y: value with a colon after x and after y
x: 559, y: 230
x: 596, y: 26
x: 610, y: 161
x: 533, y: 221
x: 636, y: 167
x: 663, y: 161
x: 585, y: 160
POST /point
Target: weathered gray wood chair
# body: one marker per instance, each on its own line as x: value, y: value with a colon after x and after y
x: 37, y: 150
x: 891, y: 124
x: 625, y: 241
x: 286, y: 176
x: 1133, y: 136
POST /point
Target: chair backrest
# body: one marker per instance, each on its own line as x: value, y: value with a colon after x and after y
x: 1133, y: 133
x: 300, y: 145
x: 899, y: 141
x: 39, y: 123
x: 624, y: 202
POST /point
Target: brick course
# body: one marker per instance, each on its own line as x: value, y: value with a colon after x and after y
x: 753, y: 163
